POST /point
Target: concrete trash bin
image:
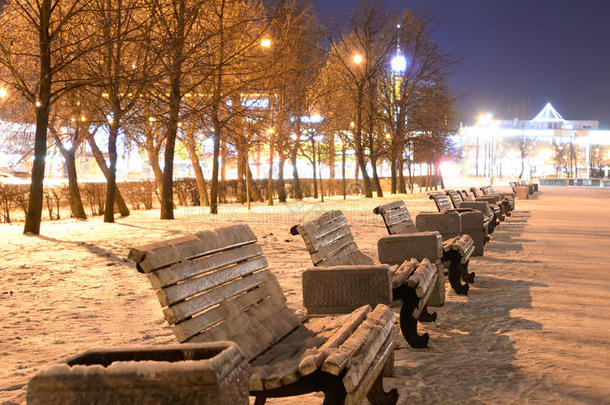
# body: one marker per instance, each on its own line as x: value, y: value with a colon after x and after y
x: 197, y: 373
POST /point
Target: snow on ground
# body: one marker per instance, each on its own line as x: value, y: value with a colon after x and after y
x: 535, y: 327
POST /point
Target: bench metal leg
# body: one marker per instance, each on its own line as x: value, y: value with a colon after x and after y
x: 458, y: 271
x: 377, y: 396
x: 334, y: 394
x: 426, y: 316
x: 455, y: 278
x: 466, y: 276
x: 260, y: 400
x: 408, y: 324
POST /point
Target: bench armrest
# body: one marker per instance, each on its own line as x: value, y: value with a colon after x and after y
x: 341, y: 289
x: 395, y: 249
x: 481, y: 206
x: 448, y: 224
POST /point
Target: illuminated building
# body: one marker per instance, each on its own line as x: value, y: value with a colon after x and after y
x: 547, y: 146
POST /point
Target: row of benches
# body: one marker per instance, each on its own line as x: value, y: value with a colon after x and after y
x: 215, y: 285
x: 522, y: 189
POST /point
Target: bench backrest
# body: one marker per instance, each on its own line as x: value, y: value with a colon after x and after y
x: 215, y: 285
x: 329, y: 241
x: 396, y: 217
x: 477, y: 193
x: 456, y: 197
x: 466, y: 196
x: 487, y: 190
x: 442, y: 201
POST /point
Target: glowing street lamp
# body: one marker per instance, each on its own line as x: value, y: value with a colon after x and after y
x: 398, y: 63
x: 3, y: 93
x: 484, y: 119
x: 357, y: 59
x: 266, y: 43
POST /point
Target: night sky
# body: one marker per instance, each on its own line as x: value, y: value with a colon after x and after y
x: 520, y: 50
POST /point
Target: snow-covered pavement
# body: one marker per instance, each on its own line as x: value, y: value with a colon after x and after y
x: 535, y: 327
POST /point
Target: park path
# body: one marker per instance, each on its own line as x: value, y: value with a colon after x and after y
x: 534, y: 329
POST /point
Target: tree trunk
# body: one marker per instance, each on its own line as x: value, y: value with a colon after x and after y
x: 368, y: 191
x: 255, y: 193
x: 242, y: 162
x: 215, y: 165
x: 34, y: 214
x: 270, y: 176
x: 376, y: 176
x: 101, y: 162
x: 280, y: 176
x: 343, y: 180
x: 167, y: 188
x: 331, y: 163
x: 191, y: 149
x: 111, y: 182
x: 402, y: 187
x: 175, y: 99
x: 222, y: 186
x: 313, y: 165
x: 296, y: 183
x: 76, y: 203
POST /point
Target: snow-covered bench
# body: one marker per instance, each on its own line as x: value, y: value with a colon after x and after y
x: 505, y: 200
x: 487, y: 206
x: 474, y: 223
x: 215, y: 285
x: 344, y: 277
x: 522, y: 190
x: 457, y: 247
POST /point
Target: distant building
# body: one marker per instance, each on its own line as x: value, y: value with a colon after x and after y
x: 547, y: 146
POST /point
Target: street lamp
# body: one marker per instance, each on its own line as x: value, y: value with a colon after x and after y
x: 266, y: 43
x: 398, y: 63
x: 357, y: 59
x: 3, y: 93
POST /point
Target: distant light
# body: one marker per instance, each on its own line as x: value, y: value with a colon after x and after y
x: 3, y: 92
x: 398, y: 63
x: 270, y: 131
x: 109, y: 118
x: 484, y: 118
x: 357, y: 59
x: 266, y: 43
x: 351, y: 124
x: 38, y: 103
x: 152, y: 119
x: 83, y: 118
x: 133, y: 66
x: 179, y: 125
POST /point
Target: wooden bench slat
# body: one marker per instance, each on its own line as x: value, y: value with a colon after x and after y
x: 361, y: 362
x: 392, y: 205
x: 179, y: 292
x: 341, y: 356
x: 423, y: 300
x: 180, y: 311
x: 314, y: 360
x: 332, y: 248
x: 357, y: 396
x: 403, y: 272
x: 191, y: 268
x: 190, y: 327
x: 422, y: 276
x: 157, y: 255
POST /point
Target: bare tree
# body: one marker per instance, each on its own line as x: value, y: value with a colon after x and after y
x: 360, y: 55
x: 42, y: 35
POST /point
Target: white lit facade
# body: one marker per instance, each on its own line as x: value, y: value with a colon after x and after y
x: 547, y: 146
